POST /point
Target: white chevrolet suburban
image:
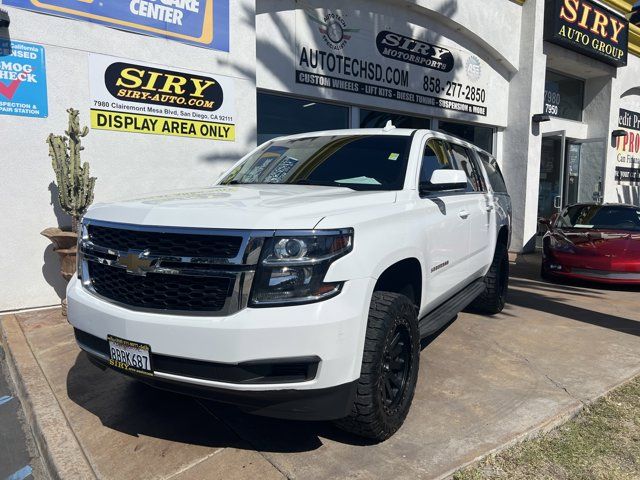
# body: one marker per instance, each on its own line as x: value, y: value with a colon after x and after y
x: 301, y: 284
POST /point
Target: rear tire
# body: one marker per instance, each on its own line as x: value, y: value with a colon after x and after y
x: 389, y: 370
x: 496, y: 281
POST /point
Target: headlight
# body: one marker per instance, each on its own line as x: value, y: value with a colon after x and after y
x: 83, y: 236
x: 292, y: 267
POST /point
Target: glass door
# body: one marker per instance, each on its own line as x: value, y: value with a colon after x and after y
x: 585, y: 170
x: 550, y: 191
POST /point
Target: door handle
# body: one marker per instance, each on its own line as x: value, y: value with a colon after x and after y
x: 463, y: 214
x: 557, y: 201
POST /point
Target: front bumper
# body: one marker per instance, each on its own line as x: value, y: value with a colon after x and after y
x: 331, y: 331
x: 597, y: 271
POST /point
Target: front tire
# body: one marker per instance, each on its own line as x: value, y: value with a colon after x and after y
x: 389, y: 371
x: 496, y: 281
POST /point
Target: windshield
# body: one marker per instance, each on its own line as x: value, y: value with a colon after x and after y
x: 604, y: 217
x: 360, y: 162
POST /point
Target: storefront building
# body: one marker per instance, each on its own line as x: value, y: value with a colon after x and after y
x: 176, y: 90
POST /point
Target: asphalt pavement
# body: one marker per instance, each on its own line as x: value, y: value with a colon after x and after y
x: 18, y: 458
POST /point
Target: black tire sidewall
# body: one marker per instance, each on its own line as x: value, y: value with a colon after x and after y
x: 400, y: 313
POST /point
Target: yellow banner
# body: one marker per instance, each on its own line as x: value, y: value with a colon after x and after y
x: 132, y: 122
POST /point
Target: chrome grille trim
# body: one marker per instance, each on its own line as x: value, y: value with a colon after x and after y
x: 241, y: 268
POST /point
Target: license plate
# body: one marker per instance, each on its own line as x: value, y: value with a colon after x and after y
x: 130, y: 356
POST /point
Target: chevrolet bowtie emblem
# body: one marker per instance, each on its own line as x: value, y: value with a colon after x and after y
x: 136, y: 262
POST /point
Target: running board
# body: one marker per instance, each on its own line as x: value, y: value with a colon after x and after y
x: 440, y: 316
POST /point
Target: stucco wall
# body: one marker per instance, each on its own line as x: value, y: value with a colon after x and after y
x: 126, y: 164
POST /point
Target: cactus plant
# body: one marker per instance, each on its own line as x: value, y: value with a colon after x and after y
x: 75, y: 186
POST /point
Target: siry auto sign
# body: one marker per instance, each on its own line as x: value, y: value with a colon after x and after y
x: 407, y: 49
x: 152, y: 99
x: 588, y: 28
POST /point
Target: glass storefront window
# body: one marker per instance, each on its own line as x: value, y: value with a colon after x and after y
x: 378, y: 119
x: 479, y: 136
x: 279, y: 115
x: 563, y: 96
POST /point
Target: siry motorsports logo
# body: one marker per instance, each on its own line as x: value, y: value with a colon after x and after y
x: 332, y: 27
x: 407, y: 49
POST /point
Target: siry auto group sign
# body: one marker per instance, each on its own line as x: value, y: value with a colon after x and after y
x: 588, y: 28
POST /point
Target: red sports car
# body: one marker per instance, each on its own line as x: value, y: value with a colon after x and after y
x: 593, y: 242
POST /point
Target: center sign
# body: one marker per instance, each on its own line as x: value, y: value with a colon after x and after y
x: 587, y: 28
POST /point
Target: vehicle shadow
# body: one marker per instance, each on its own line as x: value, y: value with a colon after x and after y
x: 561, y: 298
x: 136, y: 409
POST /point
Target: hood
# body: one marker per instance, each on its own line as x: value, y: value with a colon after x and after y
x: 610, y: 243
x: 241, y: 206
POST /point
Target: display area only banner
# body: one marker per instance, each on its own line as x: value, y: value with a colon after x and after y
x: 133, y: 97
x: 394, y: 60
x: 204, y: 23
x: 23, y: 79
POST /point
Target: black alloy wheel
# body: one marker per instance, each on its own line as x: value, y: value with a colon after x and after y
x: 389, y: 371
x: 395, y: 369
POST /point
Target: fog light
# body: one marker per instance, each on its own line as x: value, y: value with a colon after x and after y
x: 555, y: 266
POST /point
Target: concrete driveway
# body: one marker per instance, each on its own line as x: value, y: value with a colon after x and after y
x: 484, y: 383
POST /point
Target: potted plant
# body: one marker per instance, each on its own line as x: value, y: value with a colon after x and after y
x: 75, y: 190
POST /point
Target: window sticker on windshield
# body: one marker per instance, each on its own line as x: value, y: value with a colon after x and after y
x: 360, y: 180
x: 281, y: 170
x: 394, y: 156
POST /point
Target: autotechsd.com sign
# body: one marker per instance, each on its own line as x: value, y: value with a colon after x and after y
x: 128, y: 96
x: 204, y: 23
x: 338, y: 49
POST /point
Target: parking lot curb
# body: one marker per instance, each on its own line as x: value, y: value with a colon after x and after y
x: 62, y: 455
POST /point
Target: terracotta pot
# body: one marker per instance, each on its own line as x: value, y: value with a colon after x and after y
x: 65, y: 245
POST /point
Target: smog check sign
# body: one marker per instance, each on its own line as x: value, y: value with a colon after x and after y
x: 153, y: 99
x: 23, y: 79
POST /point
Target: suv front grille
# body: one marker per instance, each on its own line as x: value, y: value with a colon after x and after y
x: 164, y: 269
x: 165, y: 243
x: 160, y: 291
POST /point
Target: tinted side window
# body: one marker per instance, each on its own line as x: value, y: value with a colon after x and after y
x: 434, y: 158
x: 464, y: 160
x: 493, y: 172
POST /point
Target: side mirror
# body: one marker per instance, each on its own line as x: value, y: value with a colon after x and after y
x: 442, y: 180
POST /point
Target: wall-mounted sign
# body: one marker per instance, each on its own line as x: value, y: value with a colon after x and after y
x: 23, y: 79
x: 588, y: 28
x: 147, y: 98
x: 204, y: 23
x: 628, y: 147
x: 410, y: 50
x: 337, y: 49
